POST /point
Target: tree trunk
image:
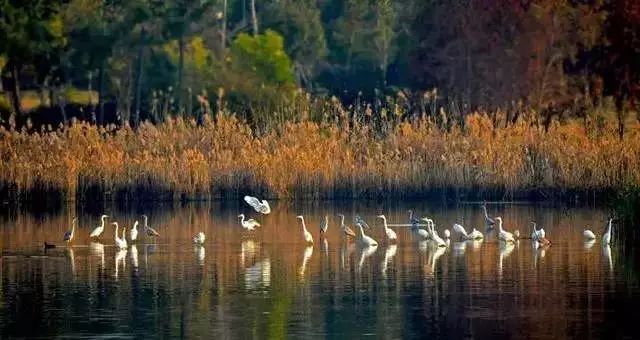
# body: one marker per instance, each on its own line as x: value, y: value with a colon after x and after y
x: 620, y: 115
x: 223, y: 34
x: 15, y: 90
x: 254, y: 17
x: 101, y: 77
x: 138, y: 85
x: 180, y: 72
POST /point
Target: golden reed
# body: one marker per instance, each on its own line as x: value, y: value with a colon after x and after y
x: 335, y: 159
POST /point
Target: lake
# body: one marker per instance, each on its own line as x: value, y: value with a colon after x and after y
x: 269, y: 284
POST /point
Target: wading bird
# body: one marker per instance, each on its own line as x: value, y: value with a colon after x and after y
x: 249, y: 224
x: 121, y: 243
x: 434, y: 234
x: 344, y: 228
x: 447, y: 233
x: 421, y: 233
x: 324, y: 224
x: 502, y: 234
x: 68, y: 235
x: 261, y: 207
x: 199, y: 239
x: 133, y: 234
x: 305, y: 233
x: 148, y: 230
x: 606, y: 238
x: 473, y: 235
x: 391, y: 235
x: 364, y: 240
x: 99, y: 229
x: 490, y: 222
x: 589, y: 235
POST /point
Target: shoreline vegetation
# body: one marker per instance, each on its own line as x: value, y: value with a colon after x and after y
x: 335, y: 153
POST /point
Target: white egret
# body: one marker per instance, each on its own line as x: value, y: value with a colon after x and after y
x: 99, y: 229
x: 391, y: 235
x: 324, y: 224
x: 305, y: 233
x: 434, y: 235
x: 421, y: 233
x: 447, y: 233
x: 606, y: 238
x: 344, y: 228
x: 490, y: 222
x: 150, y: 231
x: 364, y: 240
x: 68, y: 235
x: 199, y: 239
x: 473, y: 235
x: 588, y: 234
x: 120, y: 243
x: 249, y: 224
x: 133, y: 234
x: 502, y: 234
x: 259, y: 206
x: 516, y: 234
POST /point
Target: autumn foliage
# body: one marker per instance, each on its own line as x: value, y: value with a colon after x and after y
x: 335, y: 158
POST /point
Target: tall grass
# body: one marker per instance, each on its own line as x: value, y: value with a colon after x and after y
x: 338, y: 157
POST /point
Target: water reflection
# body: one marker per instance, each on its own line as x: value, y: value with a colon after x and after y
x: 306, y: 256
x: 267, y: 284
x: 365, y: 252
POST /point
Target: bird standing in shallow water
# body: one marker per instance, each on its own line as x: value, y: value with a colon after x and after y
x: 589, y: 235
x: 249, y: 224
x: 391, y: 235
x: 99, y: 229
x: 68, y: 236
x: 150, y: 231
x: 490, y: 222
x: 365, y: 240
x: 344, y: 228
x: 199, y: 239
x: 305, y: 233
x: 120, y: 243
x: 133, y: 234
x: 502, y: 234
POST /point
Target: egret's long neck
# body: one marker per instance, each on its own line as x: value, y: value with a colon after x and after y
x: 361, y: 230
x: 241, y: 218
x: 117, y: 231
x: 342, y: 220
x: 73, y: 226
x: 384, y: 221
x: 304, y: 226
x: 102, y: 223
x: 145, y: 221
x: 500, y: 225
x: 485, y: 211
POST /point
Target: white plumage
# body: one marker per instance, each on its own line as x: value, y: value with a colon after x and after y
x: 259, y: 206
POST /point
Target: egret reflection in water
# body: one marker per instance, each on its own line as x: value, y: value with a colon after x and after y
x: 266, y: 282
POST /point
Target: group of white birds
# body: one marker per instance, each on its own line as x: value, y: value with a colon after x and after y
x: 429, y: 234
x: 120, y: 241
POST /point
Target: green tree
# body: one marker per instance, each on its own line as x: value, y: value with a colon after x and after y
x: 264, y: 57
x: 31, y: 29
x: 300, y: 24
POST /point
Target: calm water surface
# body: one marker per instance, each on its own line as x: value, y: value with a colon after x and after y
x: 269, y: 284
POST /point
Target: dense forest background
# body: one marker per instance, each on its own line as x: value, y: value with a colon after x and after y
x: 124, y: 62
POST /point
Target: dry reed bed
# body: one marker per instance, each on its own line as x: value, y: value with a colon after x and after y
x: 327, y: 160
